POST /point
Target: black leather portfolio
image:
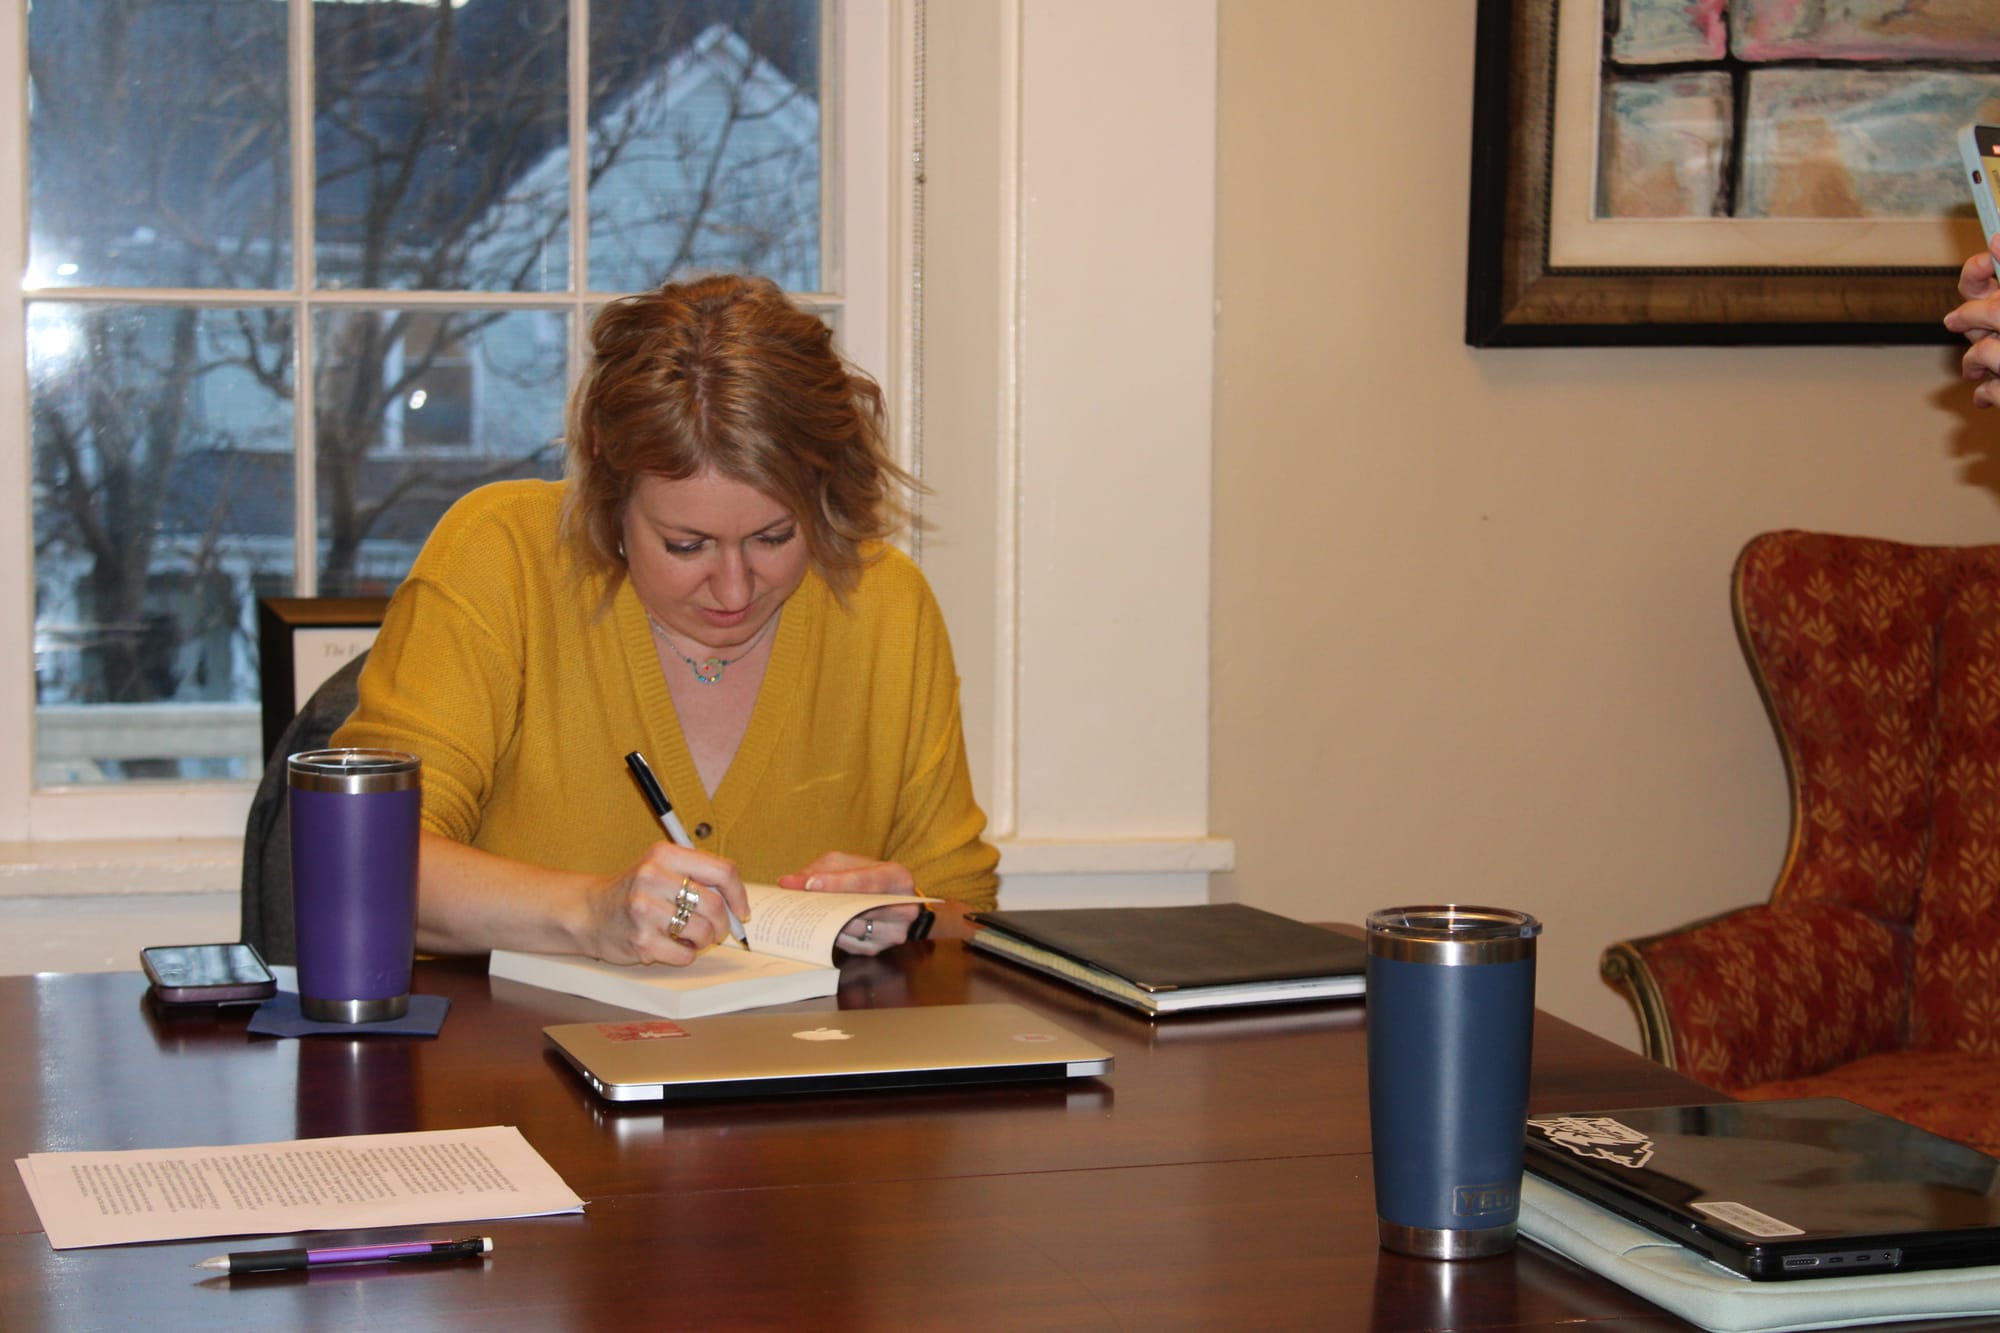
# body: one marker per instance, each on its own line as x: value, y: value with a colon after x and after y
x: 1170, y: 959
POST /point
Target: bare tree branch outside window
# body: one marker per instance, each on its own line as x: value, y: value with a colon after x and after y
x: 165, y: 305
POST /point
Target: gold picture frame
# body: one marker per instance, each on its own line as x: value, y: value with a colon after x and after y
x: 1515, y: 297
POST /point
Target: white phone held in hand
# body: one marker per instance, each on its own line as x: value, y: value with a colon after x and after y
x: 1979, y: 151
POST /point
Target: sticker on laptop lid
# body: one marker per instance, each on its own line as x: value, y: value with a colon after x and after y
x: 1597, y: 1136
x: 1742, y: 1217
x: 652, y: 1030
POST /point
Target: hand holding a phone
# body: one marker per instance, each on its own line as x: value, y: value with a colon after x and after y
x: 1978, y: 319
x: 1979, y: 279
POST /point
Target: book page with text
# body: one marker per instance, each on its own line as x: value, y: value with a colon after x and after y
x: 802, y: 926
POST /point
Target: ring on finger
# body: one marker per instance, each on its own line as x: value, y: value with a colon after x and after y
x: 687, y: 897
x: 869, y: 933
x: 682, y: 915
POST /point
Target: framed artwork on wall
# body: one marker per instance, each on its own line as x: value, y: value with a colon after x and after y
x: 300, y: 642
x: 1653, y: 172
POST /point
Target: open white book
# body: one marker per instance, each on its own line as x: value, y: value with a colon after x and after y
x: 791, y: 946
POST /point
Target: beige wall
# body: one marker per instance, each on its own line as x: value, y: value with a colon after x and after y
x: 1471, y: 632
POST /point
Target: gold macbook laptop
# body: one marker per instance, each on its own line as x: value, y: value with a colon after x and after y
x: 761, y: 1054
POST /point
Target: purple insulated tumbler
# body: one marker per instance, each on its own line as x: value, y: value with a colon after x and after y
x: 354, y: 881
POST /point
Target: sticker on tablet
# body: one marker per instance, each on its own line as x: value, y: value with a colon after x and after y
x: 1597, y: 1136
x: 652, y: 1030
x: 1742, y: 1217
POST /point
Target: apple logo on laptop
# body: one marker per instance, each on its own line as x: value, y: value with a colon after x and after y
x: 822, y: 1034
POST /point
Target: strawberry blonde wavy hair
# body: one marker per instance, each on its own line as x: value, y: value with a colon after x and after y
x: 725, y: 375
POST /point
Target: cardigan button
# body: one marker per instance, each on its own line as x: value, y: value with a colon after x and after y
x: 703, y: 830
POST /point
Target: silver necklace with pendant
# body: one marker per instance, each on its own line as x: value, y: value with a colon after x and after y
x: 709, y: 670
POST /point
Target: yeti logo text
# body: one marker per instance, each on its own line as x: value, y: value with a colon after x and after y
x: 1484, y: 1200
x: 1597, y: 1136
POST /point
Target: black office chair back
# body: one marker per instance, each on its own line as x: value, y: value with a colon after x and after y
x: 267, y: 837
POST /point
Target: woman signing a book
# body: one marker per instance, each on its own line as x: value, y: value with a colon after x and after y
x: 708, y: 586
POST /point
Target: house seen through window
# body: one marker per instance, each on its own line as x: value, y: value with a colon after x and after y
x: 355, y: 243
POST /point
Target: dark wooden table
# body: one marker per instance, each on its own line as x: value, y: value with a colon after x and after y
x: 1219, y: 1178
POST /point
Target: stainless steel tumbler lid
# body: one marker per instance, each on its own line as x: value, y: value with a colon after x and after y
x: 1452, y: 934
x: 353, y: 772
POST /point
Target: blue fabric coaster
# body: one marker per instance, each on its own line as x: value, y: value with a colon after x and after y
x: 279, y: 1016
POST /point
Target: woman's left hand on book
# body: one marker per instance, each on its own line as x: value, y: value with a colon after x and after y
x: 844, y: 872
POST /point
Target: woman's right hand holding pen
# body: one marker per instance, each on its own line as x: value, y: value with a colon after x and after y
x: 631, y: 918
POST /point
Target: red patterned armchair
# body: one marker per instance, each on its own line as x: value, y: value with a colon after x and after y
x: 1873, y: 973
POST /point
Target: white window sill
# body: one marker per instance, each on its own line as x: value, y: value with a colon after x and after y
x: 1115, y: 856
x: 120, y: 866
x: 104, y: 867
x: 91, y: 906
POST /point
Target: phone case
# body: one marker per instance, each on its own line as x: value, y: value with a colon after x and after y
x: 1976, y: 149
x: 207, y: 973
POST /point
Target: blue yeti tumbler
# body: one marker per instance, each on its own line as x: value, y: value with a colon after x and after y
x: 1451, y: 1016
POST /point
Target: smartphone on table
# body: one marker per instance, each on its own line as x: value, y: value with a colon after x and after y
x: 1979, y: 152
x: 207, y: 973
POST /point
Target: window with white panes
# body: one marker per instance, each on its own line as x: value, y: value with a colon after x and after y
x: 297, y: 275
